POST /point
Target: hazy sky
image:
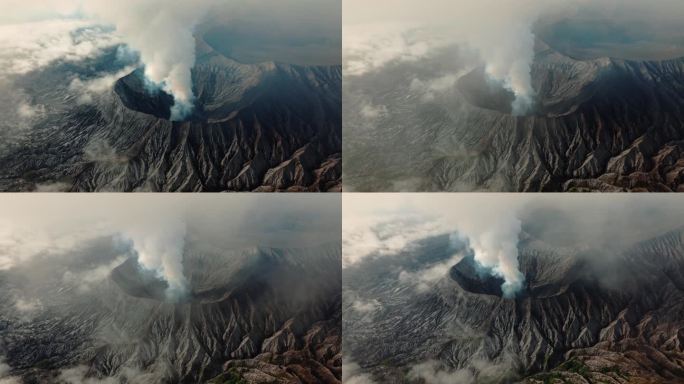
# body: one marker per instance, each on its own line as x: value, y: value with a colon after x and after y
x: 36, y: 33
x: 158, y: 225
x: 501, y: 32
x: 384, y: 224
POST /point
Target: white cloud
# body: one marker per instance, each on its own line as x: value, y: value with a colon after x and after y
x: 28, y: 305
x: 424, y: 278
x: 431, y: 88
x: 433, y: 373
x: 366, y: 306
x: 352, y: 373
x: 161, y: 32
x: 88, y: 89
x: 503, y: 38
x: 157, y: 238
x: 78, y: 375
x: 22, y: 11
x: 20, y: 242
x: 28, y: 111
x: 37, y: 227
x: 19, y: 113
x: 160, y: 248
x: 30, y: 46
x: 381, y: 32
x: 367, y: 235
x: 53, y: 187
x: 479, y: 370
x: 5, y: 377
x: 86, y: 280
x: 4, y: 367
x: 367, y: 48
x: 385, y: 224
x: 371, y: 112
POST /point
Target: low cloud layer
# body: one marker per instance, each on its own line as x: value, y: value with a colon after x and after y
x: 5, y: 376
x: 376, y: 226
x: 161, y: 31
x: 490, y: 226
x: 154, y: 229
x: 424, y: 278
x: 353, y: 374
x: 58, y: 252
x: 432, y: 372
x: 500, y: 32
x: 479, y: 371
x: 159, y: 248
x: 34, y: 33
x: 30, y: 46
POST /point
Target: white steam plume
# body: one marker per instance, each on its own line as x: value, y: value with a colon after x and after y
x: 159, y: 247
x: 493, y: 235
x: 161, y: 31
x: 506, y: 44
x: 499, y: 31
x: 490, y: 224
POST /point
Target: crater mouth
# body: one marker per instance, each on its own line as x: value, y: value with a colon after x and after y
x: 484, y: 93
x: 202, y: 285
x: 473, y: 278
x: 137, y: 94
x: 138, y: 282
x: 480, y: 91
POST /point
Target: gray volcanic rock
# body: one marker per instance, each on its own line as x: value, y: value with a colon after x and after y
x: 600, y: 125
x: 473, y: 279
x: 137, y: 282
x: 263, y: 310
x: 134, y: 94
x: 265, y: 127
x: 576, y: 318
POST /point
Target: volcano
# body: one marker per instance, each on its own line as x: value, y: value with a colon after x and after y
x: 473, y: 278
x: 575, y: 319
x: 252, y: 315
x: 135, y: 94
x: 596, y: 124
x: 265, y: 126
x: 138, y: 282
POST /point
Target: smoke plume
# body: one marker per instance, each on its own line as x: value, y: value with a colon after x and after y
x: 492, y: 225
x: 504, y: 41
x: 489, y: 224
x: 499, y: 32
x: 493, y: 236
x: 159, y: 246
x: 161, y: 31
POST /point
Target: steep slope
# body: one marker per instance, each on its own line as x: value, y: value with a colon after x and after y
x: 577, y: 317
x: 272, y: 310
x: 601, y: 125
x: 266, y: 127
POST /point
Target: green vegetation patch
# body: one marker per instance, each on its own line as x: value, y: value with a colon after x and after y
x: 615, y: 370
x: 576, y: 366
x: 230, y: 377
x: 550, y: 377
